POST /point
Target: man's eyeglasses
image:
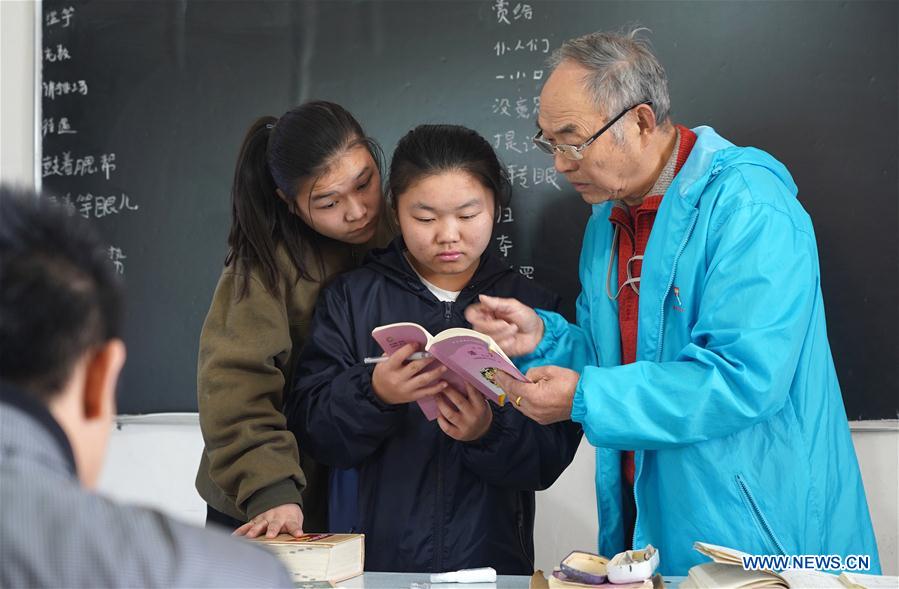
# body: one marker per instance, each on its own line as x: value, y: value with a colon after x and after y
x: 573, y: 152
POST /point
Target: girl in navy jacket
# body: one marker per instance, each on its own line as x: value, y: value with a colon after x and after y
x: 457, y: 492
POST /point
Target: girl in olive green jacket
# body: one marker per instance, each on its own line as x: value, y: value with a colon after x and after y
x: 306, y: 204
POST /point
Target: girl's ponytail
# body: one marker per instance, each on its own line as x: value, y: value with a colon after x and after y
x: 254, y: 208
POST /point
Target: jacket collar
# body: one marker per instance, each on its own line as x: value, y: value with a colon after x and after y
x: 711, y: 154
x: 392, y: 263
x: 29, y: 405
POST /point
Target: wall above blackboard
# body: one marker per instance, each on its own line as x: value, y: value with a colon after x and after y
x: 144, y: 105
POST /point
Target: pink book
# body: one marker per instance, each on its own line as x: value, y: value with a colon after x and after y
x: 469, y: 356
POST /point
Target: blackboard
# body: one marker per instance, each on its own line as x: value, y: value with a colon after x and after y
x: 144, y: 104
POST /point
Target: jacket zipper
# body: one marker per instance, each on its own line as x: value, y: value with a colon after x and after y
x: 677, y: 256
x: 439, y: 519
x: 636, y: 509
x: 447, y: 317
x: 757, y: 513
x: 638, y: 456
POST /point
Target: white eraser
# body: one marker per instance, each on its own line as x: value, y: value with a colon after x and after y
x: 483, y: 575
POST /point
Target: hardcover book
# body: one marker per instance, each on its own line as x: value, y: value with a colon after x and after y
x: 318, y: 557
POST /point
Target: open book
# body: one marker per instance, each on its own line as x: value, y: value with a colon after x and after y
x: 726, y: 572
x: 470, y: 357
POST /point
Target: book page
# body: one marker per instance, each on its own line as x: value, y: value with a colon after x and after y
x: 808, y: 579
x: 727, y: 576
x: 455, y: 332
x: 721, y: 554
x: 865, y: 581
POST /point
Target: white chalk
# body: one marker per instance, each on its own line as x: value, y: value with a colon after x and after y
x: 483, y: 575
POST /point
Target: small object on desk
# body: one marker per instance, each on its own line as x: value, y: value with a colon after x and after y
x: 585, y: 567
x: 558, y: 580
x: 418, y: 585
x: 632, y: 566
x: 631, y: 569
x: 379, y: 359
x: 415, y: 585
x: 482, y: 575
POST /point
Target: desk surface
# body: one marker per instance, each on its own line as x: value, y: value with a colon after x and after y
x: 405, y: 580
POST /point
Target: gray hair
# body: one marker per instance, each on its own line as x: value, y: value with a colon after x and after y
x: 623, y: 71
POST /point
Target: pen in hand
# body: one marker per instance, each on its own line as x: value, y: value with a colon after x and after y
x: 379, y: 359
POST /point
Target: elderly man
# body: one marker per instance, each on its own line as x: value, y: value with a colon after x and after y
x: 60, y: 356
x: 699, y: 365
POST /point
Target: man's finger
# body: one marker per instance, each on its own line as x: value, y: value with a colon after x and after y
x: 477, y: 312
x: 499, y: 329
x: 499, y: 305
x: 540, y: 373
x: 512, y: 387
x: 506, y: 344
x: 479, y: 315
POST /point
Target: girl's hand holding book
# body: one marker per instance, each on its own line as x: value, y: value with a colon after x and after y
x: 464, y: 417
x: 397, y: 381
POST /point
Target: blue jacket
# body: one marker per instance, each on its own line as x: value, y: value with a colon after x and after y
x: 733, y: 406
x: 426, y: 502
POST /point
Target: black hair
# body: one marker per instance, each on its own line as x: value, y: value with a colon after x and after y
x: 427, y: 150
x: 279, y: 154
x: 60, y: 294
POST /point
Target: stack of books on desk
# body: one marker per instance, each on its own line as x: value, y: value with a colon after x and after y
x: 319, y: 557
